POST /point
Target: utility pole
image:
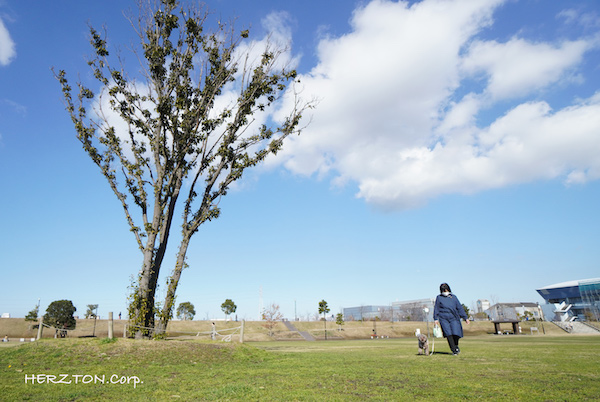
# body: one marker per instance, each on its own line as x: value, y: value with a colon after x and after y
x: 426, y: 311
x: 110, y: 325
x: 95, y: 319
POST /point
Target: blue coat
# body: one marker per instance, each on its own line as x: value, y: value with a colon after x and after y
x: 448, y: 311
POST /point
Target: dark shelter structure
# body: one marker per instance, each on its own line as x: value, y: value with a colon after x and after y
x: 500, y: 313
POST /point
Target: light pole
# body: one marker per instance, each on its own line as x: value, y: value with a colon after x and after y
x: 426, y: 311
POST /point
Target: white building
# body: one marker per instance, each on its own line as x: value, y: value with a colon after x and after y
x: 482, y: 305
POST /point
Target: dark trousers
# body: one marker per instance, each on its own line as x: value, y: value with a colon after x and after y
x: 453, y: 343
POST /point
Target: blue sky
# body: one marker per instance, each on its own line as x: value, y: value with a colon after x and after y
x: 454, y: 141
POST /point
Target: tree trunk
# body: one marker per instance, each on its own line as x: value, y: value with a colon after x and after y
x: 142, y: 304
x: 167, y: 310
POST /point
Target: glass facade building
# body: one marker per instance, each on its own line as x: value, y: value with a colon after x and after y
x: 574, y: 299
x: 590, y: 296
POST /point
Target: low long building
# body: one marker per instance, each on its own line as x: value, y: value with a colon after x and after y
x: 414, y: 310
x: 410, y: 310
x: 366, y: 313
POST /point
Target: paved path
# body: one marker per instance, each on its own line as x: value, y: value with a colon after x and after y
x: 578, y: 328
x: 304, y: 334
x: 581, y: 328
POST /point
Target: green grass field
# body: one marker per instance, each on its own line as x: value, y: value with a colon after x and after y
x: 548, y: 368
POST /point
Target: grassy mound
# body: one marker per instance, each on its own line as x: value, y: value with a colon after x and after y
x: 79, y: 368
x: 254, y: 331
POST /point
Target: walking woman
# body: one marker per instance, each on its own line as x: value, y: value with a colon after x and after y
x: 447, y: 313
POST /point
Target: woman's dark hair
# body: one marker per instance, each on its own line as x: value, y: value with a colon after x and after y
x: 444, y: 287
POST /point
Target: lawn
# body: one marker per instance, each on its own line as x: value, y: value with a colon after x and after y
x: 521, y: 367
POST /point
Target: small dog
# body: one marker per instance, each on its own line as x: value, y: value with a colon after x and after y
x: 423, y: 344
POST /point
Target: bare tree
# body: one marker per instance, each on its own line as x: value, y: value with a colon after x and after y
x: 271, y: 316
x: 386, y: 314
x: 415, y: 312
x: 180, y: 142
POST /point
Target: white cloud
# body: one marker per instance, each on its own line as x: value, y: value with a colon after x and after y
x: 533, y: 142
x: 394, y: 118
x: 519, y: 67
x: 589, y: 20
x: 7, y: 46
x: 14, y: 106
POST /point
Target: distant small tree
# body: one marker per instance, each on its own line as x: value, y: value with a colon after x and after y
x: 92, y: 310
x: 527, y: 315
x: 228, y: 307
x: 467, y: 311
x: 33, y: 314
x: 59, y: 315
x: 481, y: 316
x: 186, y: 311
x: 271, y: 316
x: 324, y: 309
x: 339, y: 320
